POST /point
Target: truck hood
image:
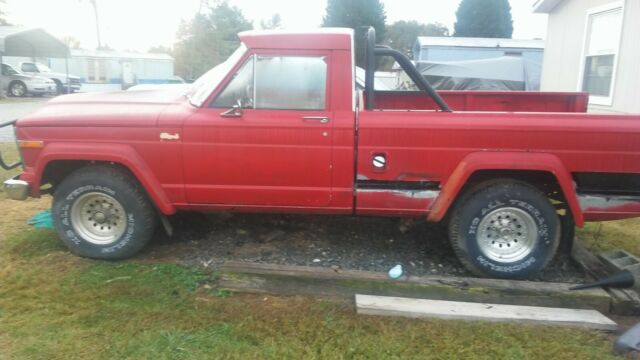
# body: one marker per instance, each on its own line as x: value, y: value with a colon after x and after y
x: 122, y: 108
x: 57, y: 75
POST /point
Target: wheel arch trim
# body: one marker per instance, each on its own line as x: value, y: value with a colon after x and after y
x: 498, y: 160
x: 124, y: 155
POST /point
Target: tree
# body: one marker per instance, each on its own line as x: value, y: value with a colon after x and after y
x: 3, y: 21
x: 208, y: 39
x: 484, y: 18
x: 71, y: 42
x: 358, y: 15
x: 401, y: 35
x: 274, y: 23
x: 159, y: 49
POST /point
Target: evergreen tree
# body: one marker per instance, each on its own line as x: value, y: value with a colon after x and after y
x: 401, y: 35
x: 484, y: 18
x: 274, y: 23
x: 208, y: 39
x: 358, y: 15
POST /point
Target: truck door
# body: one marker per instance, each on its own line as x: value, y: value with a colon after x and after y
x: 265, y: 139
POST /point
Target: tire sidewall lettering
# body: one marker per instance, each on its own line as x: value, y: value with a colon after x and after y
x: 543, y: 241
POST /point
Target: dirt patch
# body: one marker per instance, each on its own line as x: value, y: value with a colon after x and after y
x: 355, y: 243
x: 346, y: 242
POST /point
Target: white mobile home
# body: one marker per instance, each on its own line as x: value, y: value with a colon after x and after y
x: 593, y: 46
x: 106, y: 70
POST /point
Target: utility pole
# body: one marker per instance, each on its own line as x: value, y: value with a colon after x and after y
x: 95, y: 12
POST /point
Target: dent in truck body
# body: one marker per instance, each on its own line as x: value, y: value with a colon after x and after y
x: 599, y: 207
x: 394, y: 202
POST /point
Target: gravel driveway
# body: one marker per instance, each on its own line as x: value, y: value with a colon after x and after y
x: 355, y: 243
x: 11, y: 109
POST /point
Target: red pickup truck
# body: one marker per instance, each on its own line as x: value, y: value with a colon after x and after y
x: 282, y: 127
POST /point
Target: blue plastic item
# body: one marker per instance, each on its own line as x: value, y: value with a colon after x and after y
x: 41, y: 220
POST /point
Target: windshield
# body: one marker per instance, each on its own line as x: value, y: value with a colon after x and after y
x: 8, y: 70
x: 43, y: 68
x: 206, y: 83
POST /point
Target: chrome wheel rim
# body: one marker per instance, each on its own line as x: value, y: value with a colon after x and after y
x: 98, y: 218
x: 507, y: 235
x: 17, y: 89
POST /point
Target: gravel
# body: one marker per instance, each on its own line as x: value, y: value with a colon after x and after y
x: 338, y: 242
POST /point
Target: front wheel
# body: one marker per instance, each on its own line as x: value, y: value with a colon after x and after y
x: 505, y: 229
x: 18, y: 89
x: 101, y: 212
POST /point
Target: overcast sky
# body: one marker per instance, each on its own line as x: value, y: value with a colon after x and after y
x: 140, y: 24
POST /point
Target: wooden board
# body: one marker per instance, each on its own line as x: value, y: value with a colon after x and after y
x: 454, y: 310
x: 319, y: 281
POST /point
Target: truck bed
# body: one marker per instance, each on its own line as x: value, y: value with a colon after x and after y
x: 507, y: 101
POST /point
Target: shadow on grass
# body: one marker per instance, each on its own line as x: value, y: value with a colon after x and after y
x: 32, y: 243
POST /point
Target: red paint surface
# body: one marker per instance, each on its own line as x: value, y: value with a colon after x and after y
x: 509, y: 101
x: 270, y: 160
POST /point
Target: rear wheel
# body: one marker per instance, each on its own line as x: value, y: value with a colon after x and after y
x: 102, y: 212
x: 505, y: 229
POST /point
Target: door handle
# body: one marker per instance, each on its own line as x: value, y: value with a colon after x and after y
x: 320, y: 119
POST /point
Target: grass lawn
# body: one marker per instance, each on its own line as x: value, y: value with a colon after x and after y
x: 54, y: 305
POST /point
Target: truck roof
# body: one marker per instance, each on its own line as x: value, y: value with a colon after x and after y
x: 317, y: 39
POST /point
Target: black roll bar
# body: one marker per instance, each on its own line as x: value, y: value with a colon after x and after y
x: 3, y: 164
x: 374, y: 50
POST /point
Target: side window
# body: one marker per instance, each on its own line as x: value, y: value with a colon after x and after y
x: 240, y: 89
x: 278, y: 82
x: 29, y: 67
x: 294, y: 83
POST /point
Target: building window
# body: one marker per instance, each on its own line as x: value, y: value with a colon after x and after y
x: 604, y: 29
x: 96, y: 71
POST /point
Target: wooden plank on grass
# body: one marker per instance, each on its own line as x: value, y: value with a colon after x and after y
x: 319, y: 281
x: 455, y: 310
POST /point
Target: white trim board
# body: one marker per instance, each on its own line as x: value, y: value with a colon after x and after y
x: 455, y: 310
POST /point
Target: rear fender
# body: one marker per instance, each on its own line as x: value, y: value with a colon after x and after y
x: 518, y: 161
x: 117, y: 153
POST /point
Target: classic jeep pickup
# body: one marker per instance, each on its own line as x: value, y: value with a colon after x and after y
x: 281, y: 127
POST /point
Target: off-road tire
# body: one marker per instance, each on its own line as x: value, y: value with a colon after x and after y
x: 140, y: 219
x: 483, y: 202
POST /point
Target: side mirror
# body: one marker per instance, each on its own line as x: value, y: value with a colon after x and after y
x: 235, y: 111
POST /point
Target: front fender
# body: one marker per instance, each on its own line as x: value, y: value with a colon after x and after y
x: 118, y: 153
x: 518, y: 161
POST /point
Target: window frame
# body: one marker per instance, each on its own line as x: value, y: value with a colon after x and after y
x: 278, y: 53
x: 595, y: 99
x: 101, y: 75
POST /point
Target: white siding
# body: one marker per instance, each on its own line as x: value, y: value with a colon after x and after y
x: 564, y: 53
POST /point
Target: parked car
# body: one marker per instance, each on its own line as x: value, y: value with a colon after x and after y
x: 18, y: 84
x: 281, y: 127
x: 60, y: 79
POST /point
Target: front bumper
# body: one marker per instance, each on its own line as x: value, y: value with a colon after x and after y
x: 16, y: 189
x: 39, y: 88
